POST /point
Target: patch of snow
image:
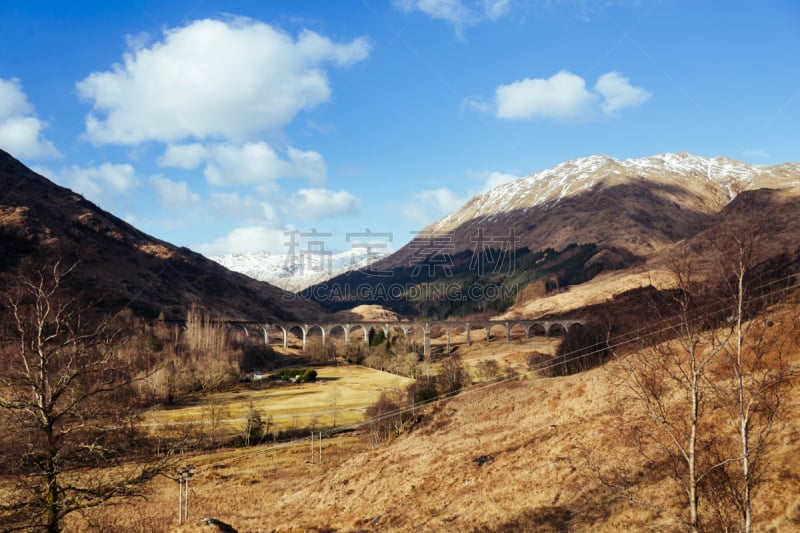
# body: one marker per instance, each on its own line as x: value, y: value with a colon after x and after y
x: 295, y: 273
x: 550, y: 186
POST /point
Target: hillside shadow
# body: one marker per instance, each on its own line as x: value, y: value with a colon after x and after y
x: 122, y: 267
x: 593, y: 504
x: 603, y: 229
x: 601, y: 215
x: 606, y: 228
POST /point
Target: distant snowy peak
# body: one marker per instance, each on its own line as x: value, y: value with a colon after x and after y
x: 296, y: 272
x: 566, y: 179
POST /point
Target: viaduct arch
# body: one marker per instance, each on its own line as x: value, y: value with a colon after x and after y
x: 530, y: 327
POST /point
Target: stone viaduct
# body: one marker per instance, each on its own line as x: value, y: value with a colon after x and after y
x: 302, y: 330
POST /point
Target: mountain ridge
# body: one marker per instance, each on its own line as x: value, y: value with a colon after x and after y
x: 718, y: 169
x: 628, y: 212
x: 119, y: 264
x: 682, y: 181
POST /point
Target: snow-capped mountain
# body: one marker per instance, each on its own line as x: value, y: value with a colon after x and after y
x: 548, y: 187
x: 636, y: 205
x: 296, y: 272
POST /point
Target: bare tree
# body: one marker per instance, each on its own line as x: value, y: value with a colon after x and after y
x: 66, y: 400
x: 334, y: 395
x: 384, y: 419
x: 713, y: 377
x: 669, y: 380
x: 453, y: 375
x: 216, y: 414
x: 254, y: 426
x: 202, y: 334
x: 754, y: 373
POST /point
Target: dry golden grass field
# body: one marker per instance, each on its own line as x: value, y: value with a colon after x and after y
x: 538, y: 438
x: 287, y: 406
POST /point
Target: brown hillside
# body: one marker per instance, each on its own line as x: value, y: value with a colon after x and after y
x: 636, y: 215
x: 772, y: 213
x: 120, y: 265
x: 513, y: 456
x: 639, y: 206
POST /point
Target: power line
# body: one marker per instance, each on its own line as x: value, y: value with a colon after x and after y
x: 613, y: 343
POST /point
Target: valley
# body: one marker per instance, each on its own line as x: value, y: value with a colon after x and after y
x: 402, y: 266
x: 532, y: 373
x: 541, y: 438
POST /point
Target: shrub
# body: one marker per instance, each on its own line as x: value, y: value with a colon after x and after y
x: 378, y: 338
x: 453, y: 375
x: 256, y: 356
x: 384, y: 420
x: 537, y: 360
x: 489, y: 370
x: 582, y: 348
x: 421, y: 391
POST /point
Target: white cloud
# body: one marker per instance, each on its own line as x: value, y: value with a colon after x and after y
x: 496, y: 9
x: 108, y: 185
x: 618, y: 93
x: 495, y: 179
x: 307, y: 164
x: 323, y: 128
x: 108, y: 177
x: 586, y: 10
x: 185, y: 156
x: 20, y: 130
x: 476, y: 103
x: 756, y: 154
x: 562, y: 96
x: 459, y: 13
x: 212, y: 79
x: 244, y: 208
x: 246, y: 239
x: 172, y: 194
x: 246, y: 164
x: 317, y: 204
x: 451, y: 11
x: 565, y: 97
x: 418, y: 214
x: 442, y: 199
x: 13, y: 100
x: 431, y: 204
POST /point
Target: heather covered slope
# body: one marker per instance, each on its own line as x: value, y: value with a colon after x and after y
x: 519, y: 455
x: 120, y: 265
x: 545, y: 439
x: 772, y: 214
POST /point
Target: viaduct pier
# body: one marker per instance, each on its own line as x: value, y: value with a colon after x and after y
x: 529, y: 327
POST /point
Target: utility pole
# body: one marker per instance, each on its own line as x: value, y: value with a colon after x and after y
x: 180, y: 496
x: 185, y: 473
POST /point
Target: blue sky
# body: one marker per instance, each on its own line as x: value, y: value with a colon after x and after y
x: 222, y: 125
